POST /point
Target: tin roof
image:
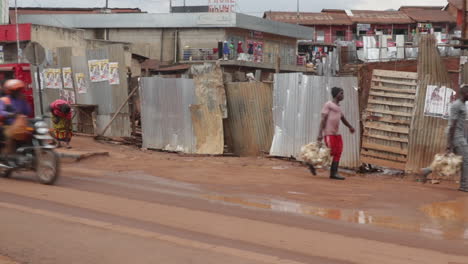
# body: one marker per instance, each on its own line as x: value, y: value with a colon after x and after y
x: 456, y: 3
x: 174, y: 20
x: 430, y: 16
x: 309, y: 18
x: 379, y: 17
x: 68, y: 10
x: 404, y: 8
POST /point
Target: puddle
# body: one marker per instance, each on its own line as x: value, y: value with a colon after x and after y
x: 444, y: 220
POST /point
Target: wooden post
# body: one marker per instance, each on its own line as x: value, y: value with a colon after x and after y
x: 118, y: 112
x: 278, y: 64
x: 463, y: 27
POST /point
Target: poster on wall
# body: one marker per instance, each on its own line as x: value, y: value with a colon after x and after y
x: 81, y: 83
x: 67, y: 78
x: 94, y: 71
x: 58, y: 84
x: 67, y: 95
x: 104, y: 69
x: 53, y: 79
x: 114, y: 78
x: 438, y: 100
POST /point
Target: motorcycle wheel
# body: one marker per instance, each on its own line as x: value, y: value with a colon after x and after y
x: 5, y: 173
x: 47, y: 167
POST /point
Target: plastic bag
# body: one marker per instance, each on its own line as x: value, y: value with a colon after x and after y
x: 447, y: 164
x: 316, y: 154
x: 19, y: 129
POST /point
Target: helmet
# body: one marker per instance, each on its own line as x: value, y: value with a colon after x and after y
x: 13, y: 85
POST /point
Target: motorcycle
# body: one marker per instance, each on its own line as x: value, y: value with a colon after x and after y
x: 34, y: 154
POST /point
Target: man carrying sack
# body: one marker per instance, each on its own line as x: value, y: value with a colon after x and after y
x: 332, y: 116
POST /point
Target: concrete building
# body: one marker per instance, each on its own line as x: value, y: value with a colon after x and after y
x: 191, y: 37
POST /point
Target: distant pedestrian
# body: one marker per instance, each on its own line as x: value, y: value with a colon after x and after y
x: 457, y: 137
x: 62, y: 122
x: 332, y: 116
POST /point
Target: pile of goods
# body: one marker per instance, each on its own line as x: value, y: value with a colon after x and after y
x: 447, y: 164
x: 316, y: 154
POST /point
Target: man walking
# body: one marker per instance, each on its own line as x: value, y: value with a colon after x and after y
x: 456, y: 138
x: 329, y: 129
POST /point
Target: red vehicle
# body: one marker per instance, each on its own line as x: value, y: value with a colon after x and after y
x: 21, y: 72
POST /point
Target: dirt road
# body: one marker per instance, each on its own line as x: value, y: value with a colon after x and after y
x: 135, y: 207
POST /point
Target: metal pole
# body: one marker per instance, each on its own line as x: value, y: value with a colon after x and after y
x: 17, y: 33
x: 298, y: 12
x: 41, y: 102
x: 107, y: 4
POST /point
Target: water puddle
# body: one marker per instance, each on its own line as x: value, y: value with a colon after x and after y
x: 447, y: 220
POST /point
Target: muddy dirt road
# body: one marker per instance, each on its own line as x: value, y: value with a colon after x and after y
x: 135, y: 207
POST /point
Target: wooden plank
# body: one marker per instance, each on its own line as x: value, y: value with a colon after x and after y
x: 396, y: 90
x: 380, y: 102
x: 394, y: 139
x: 383, y: 156
x: 388, y: 120
x: 393, y: 95
x: 367, y: 145
x: 389, y: 112
x: 388, y: 128
x: 383, y: 163
x: 394, y: 82
x: 396, y: 74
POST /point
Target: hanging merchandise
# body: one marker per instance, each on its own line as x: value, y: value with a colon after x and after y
x: 232, y: 49
x: 226, y: 50
x: 240, y: 50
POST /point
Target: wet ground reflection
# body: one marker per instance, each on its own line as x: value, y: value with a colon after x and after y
x: 448, y: 220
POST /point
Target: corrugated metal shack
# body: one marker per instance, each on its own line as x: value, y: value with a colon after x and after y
x: 297, y: 105
x: 105, y: 96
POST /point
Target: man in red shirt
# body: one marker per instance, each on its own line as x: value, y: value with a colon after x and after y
x: 332, y: 116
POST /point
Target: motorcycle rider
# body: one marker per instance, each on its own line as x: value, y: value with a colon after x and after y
x: 13, y: 105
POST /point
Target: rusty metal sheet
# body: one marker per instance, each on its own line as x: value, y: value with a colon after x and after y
x: 297, y: 104
x: 379, y: 17
x: 208, y: 129
x: 250, y: 117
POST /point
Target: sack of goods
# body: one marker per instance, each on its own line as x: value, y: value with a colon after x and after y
x: 316, y: 154
x: 447, y: 164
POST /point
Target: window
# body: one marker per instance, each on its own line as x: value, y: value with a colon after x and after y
x: 340, y: 35
x: 400, y: 31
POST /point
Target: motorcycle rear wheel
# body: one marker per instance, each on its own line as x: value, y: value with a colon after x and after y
x: 47, y: 166
x: 6, y: 173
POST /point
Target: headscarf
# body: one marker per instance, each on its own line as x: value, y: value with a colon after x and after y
x: 61, y: 108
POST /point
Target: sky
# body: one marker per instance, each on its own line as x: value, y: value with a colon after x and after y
x: 252, y: 7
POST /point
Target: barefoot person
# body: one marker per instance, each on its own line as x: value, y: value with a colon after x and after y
x: 332, y: 116
x: 61, y: 120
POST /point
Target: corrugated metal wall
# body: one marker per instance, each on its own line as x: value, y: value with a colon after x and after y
x: 297, y: 105
x: 250, y: 117
x: 107, y: 97
x: 166, y: 116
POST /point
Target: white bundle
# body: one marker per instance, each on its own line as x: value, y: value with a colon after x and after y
x: 316, y: 154
x: 447, y: 164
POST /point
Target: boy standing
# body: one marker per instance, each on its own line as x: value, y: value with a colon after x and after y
x: 332, y: 115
